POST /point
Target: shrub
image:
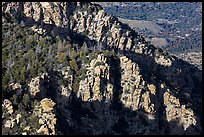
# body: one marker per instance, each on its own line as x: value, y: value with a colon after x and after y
x: 73, y: 64
x: 5, y: 131
x: 42, y: 42
x: 26, y: 100
x: 29, y: 41
x: 107, y: 53
x: 109, y: 34
x: 15, y: 100
x: 62, y: 58
x: 6, y: 79
x: 33, y: 121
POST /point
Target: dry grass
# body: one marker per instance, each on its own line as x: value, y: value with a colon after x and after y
x: 150, y: 25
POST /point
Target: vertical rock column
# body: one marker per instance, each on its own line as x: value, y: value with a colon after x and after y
x: 90, y: 88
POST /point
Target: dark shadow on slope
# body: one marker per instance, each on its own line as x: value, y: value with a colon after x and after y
x: 177, y: 129
x: 150, y: 68
x: 87, y: 118
x: 170, y: 75
x: 64, y: 33
x: 185, y: 85
x: 115, y: 79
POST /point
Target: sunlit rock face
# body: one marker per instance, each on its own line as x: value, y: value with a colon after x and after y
x: 138, y: 91
x: 97, y: 74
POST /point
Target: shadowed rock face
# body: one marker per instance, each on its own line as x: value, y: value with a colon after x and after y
x: 78, y: 17
x: 139, y: 91
x: 109, y: 101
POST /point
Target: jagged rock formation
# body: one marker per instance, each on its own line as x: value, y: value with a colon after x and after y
x: 103, y: 28
x: 132, y: 84
x: 97, y: 25
x: 47, y: 104
x: 96, y: 86
x: 47, y: 119
x: 43, y: 113
x: 35, y: 86
x: 186, y: 116
x: 141, y: 90
x: 136, y: 94
x: 8, y: 105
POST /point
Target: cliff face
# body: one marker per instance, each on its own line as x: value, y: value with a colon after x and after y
x: 84, y: 18
x: 141, y: 90
x: 106, y: 94
x: 78, y: 17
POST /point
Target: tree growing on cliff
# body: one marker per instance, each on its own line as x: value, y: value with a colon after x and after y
x: 73, y: 64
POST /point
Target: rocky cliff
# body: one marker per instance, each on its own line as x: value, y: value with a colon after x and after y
x: 139, y: 89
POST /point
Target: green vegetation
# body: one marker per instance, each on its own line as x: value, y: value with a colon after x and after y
x: 171, y: 17
x: 26, y: 100
x: 62, y: 58
x: 73, y: 64
x: 26, y: 54
x: 24, y: 58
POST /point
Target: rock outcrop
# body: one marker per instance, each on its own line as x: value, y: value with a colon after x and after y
x: 176, y: 111
x: 8, y: 105
x: 132, y: 85
x: 15, y: 86
x: 96, y: 86
x: 121, y: 93
x: 66, y: 15
x: 34, y: 86
x: 47, y: 119
x: 47, y: 104
x: 96, y: 24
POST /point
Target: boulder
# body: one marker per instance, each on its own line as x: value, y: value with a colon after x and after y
x: 41, y: 121
x: 8, y: 105
x: 34, y: 86
x: 152, y: 89
x: 47, y: 104
x: 7, y: 124
x: 147, y: 104
x: 64, y: 91
x: 15, y: 86
x: 177, y: 112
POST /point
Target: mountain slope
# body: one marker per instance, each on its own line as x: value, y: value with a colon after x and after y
x: 173, y: 26
x: 101, y: 76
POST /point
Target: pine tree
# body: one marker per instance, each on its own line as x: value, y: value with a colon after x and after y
x: 73, y: 64
x: 26, y: 100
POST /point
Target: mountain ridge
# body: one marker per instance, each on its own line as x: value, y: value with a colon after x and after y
x: 136, y: 57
